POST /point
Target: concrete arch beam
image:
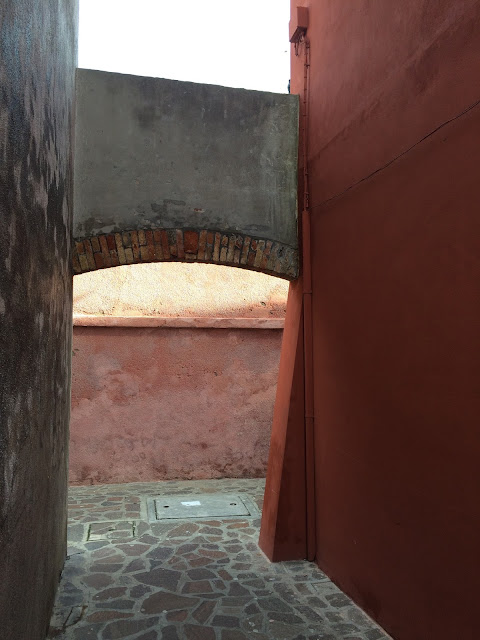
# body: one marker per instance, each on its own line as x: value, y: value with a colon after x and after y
x: 178, y: 171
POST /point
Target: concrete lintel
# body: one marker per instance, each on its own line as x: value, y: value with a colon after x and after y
x: 80, y: 320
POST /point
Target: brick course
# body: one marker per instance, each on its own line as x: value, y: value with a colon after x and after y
x: 170, y: 245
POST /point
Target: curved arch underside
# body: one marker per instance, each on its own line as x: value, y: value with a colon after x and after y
x: 170, y: 245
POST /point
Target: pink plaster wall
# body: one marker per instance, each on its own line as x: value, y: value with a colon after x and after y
x: 154, y: 403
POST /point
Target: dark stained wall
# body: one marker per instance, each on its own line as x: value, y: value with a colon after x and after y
x: 168, y: 170
x: 394, y: 157
x: 37, y: 66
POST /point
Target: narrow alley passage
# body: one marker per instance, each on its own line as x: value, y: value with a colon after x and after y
x: 129, y: 576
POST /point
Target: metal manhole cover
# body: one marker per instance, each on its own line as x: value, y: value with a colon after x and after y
x: 201, y: 506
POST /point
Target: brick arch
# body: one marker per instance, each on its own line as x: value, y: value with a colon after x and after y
x: 183, y: 245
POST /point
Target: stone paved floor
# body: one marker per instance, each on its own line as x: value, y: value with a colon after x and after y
x: 128, y: 578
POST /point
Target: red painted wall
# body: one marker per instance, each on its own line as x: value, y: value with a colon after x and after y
x: 393, y: 158
x: 162, y: 403
x: 283, y: 534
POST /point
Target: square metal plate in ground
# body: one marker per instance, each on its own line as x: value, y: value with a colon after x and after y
x: 197, y: 506
x: 122, y: 530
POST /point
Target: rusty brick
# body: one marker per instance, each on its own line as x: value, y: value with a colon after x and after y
x: 216, y: 248
x: 82, y: 258
x: 259, y: 255
x: 76, y: 264
x: 231, y: 248
x: 135, y: 246
x: 129, y: 255
x: 210, y: 238
x: 127, y: 242
x: 190, y: 241
x: 158, y: 252
x: 190, y: 257
x: 246, y: 247
x: 223, y: 254
x: 120, y: 250
x: 142, y: 240
x: 236, y: 256
x: 289, y: 253
x: 146, y: 253
x: 95, y: 244
x: 288, y: 258
x: 79, y: 246
x: 266, y: 253
x: 114, y: 259
x: 111, y: 242
x: 280, y: 252
x: 154, y: 251
x: 292, y: 270
x: 251, y: 258
x: 239, y: 242
x: 165, y: 248
x: 280, y: 263
x: 208, y: 253
x: 157, y: 236
x: 89, y: 254
x: 272, y: 258
x: 107, y: 260
x: 103, y: 243
x: 88, y: 247
x: 180, y: 247
x: 253, y: 245
x: 224, y: 241
x: 105, y: 251
x: 99, y: 261
x: 202, y: 242
x: 150, y: 244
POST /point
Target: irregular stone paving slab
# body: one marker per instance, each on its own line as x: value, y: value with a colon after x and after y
x: 189, y: 580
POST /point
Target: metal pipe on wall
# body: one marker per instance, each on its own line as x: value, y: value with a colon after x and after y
x: 307, y: 325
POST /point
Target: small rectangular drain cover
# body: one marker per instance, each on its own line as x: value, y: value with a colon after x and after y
x: 201, y: 506
x: 122, y: 530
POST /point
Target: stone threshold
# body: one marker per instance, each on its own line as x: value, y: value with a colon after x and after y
x: 81, y: 320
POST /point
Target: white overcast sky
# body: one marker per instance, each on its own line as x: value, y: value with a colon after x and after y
x: 228, y: 42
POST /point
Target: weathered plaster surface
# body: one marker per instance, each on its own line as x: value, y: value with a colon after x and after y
x: 37, y: 62
x: 164, y: 403
x: 164, y: 156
